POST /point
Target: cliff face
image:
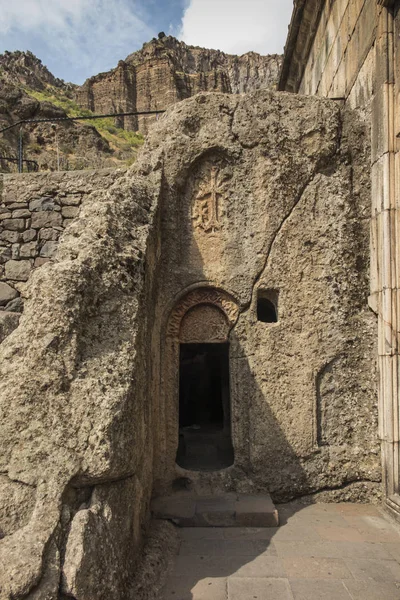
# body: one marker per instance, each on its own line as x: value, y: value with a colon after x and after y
x: 165, y: 71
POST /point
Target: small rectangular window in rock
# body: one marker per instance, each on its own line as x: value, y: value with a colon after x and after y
x: 267, y: 306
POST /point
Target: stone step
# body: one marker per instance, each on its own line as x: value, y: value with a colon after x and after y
x: 228, y: 510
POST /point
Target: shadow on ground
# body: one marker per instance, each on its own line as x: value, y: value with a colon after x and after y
x: 320, y: 552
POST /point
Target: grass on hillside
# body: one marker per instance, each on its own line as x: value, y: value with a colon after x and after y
x: 118, y: 138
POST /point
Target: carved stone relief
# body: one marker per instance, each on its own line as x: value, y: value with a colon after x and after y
x: 204, y: 323
x: 208, y: 191
x: 216, y: 299
x: 207, y: 210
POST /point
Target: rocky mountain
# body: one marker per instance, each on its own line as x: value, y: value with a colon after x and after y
x: 29, y: 91
x: 166, y: 71
x: 70, y: 145
x: 162, y: 73
x: 24, y: 68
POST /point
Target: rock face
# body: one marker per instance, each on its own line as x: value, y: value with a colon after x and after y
x: 234, y: 199
x: 34, y: 211
x: 25, y: 68
x: 20, y: 73
x: 271, y: 214
x: 166, y: 71
x: 40, y: 139
x: 8, y: 322
x: 90, y: 252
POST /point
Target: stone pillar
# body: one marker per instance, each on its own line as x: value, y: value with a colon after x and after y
x: 385, y: 246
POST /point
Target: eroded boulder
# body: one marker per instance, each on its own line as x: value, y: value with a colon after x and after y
x: 85, y: 427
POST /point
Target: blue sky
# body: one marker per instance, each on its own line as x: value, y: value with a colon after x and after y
x: 79, y: 38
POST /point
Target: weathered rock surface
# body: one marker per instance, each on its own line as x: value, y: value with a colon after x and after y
x: 58, y: 444
x: 7, y: 293
x: 8, y: 322
x: 91, y: 555
x: 40, y: 206
x: 166, y: 71
x: 89, y: 379
x: 25, y: 68
x: 292, y: 220
x: 17, y: 502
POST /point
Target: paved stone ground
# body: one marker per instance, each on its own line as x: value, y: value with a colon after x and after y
x: 320, y: 552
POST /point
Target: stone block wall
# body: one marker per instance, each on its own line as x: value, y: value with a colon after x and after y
x: 34, y: 211
x: 331, y: 51
x: 343, y: 41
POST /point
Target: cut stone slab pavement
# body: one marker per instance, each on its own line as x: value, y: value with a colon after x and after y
x: 243, y: 588
x: 256, y: 511
x: 228, y: 510
x: 236, y: 564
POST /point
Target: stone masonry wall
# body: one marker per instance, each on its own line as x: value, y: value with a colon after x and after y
x: 34, y: 211
x: 341, y: 47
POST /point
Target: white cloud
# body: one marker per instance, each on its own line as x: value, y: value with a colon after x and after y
x: 30, y: 14
x: 82, y: 36
x: 237, y: 26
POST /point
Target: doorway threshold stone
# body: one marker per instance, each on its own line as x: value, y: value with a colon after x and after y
x: 225, y: 510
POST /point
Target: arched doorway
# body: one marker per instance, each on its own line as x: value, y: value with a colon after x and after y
x: 200, y: 325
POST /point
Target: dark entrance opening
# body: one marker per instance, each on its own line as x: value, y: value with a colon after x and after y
x: 267, y: 306
x: 205, y: 442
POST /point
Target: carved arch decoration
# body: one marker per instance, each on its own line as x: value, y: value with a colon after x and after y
x: 214, y: 306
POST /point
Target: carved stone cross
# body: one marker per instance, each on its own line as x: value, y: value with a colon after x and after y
x: 206, y: 211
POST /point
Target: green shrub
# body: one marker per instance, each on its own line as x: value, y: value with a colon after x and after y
x: 111, y: 129
x: 118, y: 138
